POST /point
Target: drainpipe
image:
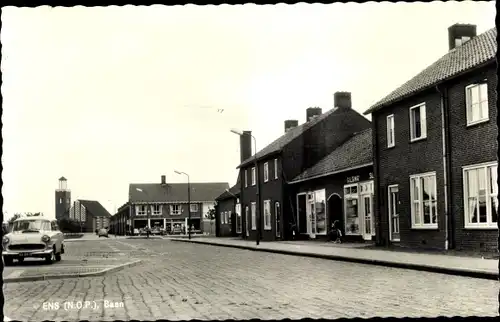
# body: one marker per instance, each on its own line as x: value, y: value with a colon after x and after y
x: 445, y: 165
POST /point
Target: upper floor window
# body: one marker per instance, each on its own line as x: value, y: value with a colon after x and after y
x: 481, y: 195
x: 156, y: 209
x: 254, y: 179
x: 246, y: 178
x: 423, y: 195
x: 390, y: 131
x: 175, y: 209
x: 418, y: 122
x: 275, y: 168
x: 141, y: 210
x: 266, y: 172
x: 194, y: 207
x: 476, y: 96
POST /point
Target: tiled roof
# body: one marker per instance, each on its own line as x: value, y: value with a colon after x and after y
x: 475, y: 52
x: 356, y: 151
x: 233, y: 191
x: 176, y: 192
x: 95, y: 208
x: 288, y: 137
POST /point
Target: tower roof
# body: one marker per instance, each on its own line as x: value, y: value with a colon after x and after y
x: 63, y: 179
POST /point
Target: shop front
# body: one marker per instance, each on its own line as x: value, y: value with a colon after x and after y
x: 311, y: 210
x: 359, y: 219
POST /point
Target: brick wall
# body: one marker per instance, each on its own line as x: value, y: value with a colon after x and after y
x: 471, y: 145
x: 396, y: 164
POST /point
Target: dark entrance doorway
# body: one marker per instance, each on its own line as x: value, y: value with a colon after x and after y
x: 335, y: 211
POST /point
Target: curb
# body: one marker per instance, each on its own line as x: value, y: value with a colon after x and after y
x: 418, y: 267
x: 61, y: 276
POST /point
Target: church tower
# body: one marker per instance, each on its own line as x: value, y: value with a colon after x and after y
x: 63, y: 199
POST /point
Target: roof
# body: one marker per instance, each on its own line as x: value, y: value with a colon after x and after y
x: 176, y: 192
x: 278, y: 144
x: 95, y: 208
x: 233, y: 191
x: 472, y: 54
x: 353, y: 153
x: 62, y: 179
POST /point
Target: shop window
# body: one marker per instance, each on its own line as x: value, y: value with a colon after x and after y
x: 351, y: 210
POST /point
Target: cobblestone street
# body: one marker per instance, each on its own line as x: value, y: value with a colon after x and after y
x: 190, y: 281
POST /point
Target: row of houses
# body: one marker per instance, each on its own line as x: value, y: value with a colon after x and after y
x: 421, y: 174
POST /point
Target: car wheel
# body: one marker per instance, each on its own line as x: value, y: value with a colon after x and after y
x: 8, y: 260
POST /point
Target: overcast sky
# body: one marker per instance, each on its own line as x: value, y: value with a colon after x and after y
x: 110, y: 96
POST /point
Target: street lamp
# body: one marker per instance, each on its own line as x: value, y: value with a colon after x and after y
x: 189, y: 201
x: 147, y: 211
x: 257, y: 190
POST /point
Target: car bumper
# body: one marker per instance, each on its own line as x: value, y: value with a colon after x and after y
x: 28, y: 253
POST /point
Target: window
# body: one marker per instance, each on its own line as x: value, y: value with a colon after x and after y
x: 476, y: 97
x: 246, y: 178
x: 275, y: 168
x: 390, y: 131
x: 194, y: 207
x: 481, y: 196
x: 351, y: 212
x: 267, y: 214
x: 254, y: 179
x: 238, y: 218
x: 156, y: 209
x: 141, y: 210
x: 423, y: 200
x: 60, y: 200
x: 254, y: 223
x: 175, y: 209
x: 54, y: 226
x: 266, y: 172
x: 277, y: 216
x: 418, y: 122
x: 222, y: 217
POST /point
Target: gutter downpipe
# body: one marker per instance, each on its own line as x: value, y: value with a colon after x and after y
x: 445, y: 166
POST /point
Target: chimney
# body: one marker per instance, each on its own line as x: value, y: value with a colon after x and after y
x: 163, y: 180
x: 245, y: 145
x: 342, y: 100
x: 458, y: 34
x: 312, y: 112
x: 290, y: 124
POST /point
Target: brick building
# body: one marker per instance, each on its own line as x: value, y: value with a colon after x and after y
x: 228, y: 221
x: 338, y: 188
x: 299, y: 148
x: 435, y: 150
x: 165, y: 206
x: 90, y: 214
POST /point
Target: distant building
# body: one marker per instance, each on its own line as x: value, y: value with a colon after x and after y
x: 63, y: 199
x: 90, y: 214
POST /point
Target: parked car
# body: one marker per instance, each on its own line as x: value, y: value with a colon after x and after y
x: 35, y: 237
x: 103, y: 232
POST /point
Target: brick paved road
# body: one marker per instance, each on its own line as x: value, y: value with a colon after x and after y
x: 189, y: 281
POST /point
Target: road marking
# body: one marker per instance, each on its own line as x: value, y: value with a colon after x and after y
x: 16, y: 273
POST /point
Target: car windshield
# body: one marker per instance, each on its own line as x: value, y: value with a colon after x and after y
x: 30, y: 225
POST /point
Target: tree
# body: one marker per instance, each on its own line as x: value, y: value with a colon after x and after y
x: 211, y: 215
x: 68, y: 225
x: 13, y: 218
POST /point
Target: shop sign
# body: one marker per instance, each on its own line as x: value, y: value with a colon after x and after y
x: 352, y: 179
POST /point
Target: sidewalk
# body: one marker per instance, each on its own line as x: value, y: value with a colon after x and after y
x: 438, y: 263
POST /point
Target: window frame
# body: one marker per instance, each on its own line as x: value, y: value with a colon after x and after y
x: 141, y: 212
x: 173, y: 212
x: 191, y: 207
x: 253, y: 214
x: 468, y: 103
x: 423, y: 122
x: 267, y: 203
x: 254, y: 176
x: 275, y: 169
x: 489, y: 211
x: 154, y: 211
x: 421, y: 224
x: 391, y: 139
x: 266, y: 171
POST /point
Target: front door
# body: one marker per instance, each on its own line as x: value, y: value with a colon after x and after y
x: 394, y: 213
x: 311, y: 216
x: 367, y: 217
x: 277, y: 216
